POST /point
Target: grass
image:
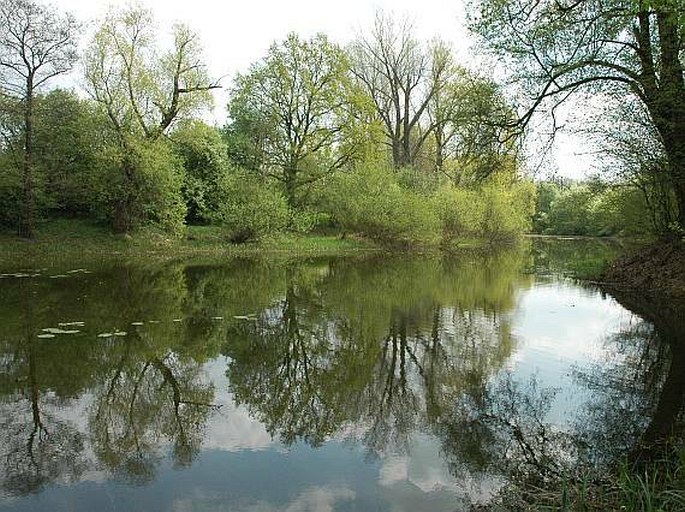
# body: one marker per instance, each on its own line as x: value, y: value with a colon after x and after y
x: 71, y: 240
x: 659, y: 487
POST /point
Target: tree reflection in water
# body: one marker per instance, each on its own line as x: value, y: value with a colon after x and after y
x: 371, y: 350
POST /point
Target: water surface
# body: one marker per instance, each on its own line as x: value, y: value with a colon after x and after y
x: 358, y: 383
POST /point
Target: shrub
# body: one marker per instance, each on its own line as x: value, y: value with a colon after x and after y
x: 460, y: 212
x: 369, y: 200
x: 250, y: 208
x: 147, y: 181
x: 507, y: 210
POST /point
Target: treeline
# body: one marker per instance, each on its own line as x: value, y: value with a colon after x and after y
x: 597, y: 208
x: 388, y: 137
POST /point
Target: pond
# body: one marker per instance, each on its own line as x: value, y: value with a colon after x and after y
x: 370, y: 382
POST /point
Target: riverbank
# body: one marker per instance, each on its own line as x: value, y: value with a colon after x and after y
x: 657, y: 270
x: 66, y: 240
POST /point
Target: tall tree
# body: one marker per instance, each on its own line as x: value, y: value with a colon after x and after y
x: 291, y: 111
x: 561, y: 47
x: 401, y: 75
x: 469, y: 116
x: 36, y: 44
x: 142, y: 90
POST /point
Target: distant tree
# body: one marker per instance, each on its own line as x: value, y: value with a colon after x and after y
x: 143, y: 92
x: 469, y: 116
x: 631, y: 154
x: 402, y: 76
x: 69, y: 136
x: 36, y: 44
x: 289, y: 113
x: 635, y: 47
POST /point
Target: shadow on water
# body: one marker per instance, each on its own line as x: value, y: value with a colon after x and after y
x: 369, y: 351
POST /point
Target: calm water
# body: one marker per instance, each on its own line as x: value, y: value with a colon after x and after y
x: 365, y: 383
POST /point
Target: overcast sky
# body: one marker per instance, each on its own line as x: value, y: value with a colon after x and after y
x: 236, y: 33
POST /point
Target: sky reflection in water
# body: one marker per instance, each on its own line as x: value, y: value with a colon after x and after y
x: 330, y: 384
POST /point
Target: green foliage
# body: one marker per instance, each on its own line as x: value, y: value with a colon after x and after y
x: 151, y: 187
x: 10, y: 188
x: 289, y: 113
x: 69, y: 138
x: 507, y: 210
x: 460, y: 211
x: 370, y: 200
x: 251, y: 208
x: 68, y: 135
x: 203, y: 153
x: 592, y: 209
x: 494, y: 212
x: 391, y: 206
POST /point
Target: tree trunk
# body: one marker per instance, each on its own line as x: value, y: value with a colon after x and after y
x: 680, y: 201
x: 674, y: 145
x: 26, y: 221
x: 289, y: 179
x: 396, y: 158
x: 123, y: 217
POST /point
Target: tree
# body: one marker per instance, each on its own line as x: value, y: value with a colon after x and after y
x: 36, y: 44
x: 143, y: 92
x: 68, y: 141
x: 469, y: 116
x: 629, y: 46
x: 203, y: 152
x: 402, y: 76
x: 632, y: 155
x: 290, y: 112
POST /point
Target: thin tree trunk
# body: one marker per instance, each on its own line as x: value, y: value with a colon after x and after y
x: 26, y: 222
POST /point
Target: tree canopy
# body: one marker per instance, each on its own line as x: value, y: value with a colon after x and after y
x: 558, y: 48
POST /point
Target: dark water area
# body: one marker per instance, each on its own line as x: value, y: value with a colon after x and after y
x: 356, y: 383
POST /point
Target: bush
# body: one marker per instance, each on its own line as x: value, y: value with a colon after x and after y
x: 203, y: 154
x: 250, y: 208
x: 10, y: 190
x: 142, y: 187
x: 507, y: 210
x: 460, y: 212
x: 369, y: 200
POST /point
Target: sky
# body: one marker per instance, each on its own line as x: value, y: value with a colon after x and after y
x: 235, y: 34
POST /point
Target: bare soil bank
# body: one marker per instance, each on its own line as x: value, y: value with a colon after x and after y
x: 655, y: 271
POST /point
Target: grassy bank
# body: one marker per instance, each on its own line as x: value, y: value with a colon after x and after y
x: 72, y: 240
x: 659, y: 487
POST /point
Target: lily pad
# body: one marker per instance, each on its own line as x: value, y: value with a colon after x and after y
x: 46, y: 335
x: 71, y: 324
x: 56, y: 330
x: 105, y: 335
x: 178, y: 320
x: 137, y: 323
x: 217, y: 318
x: 120, y: 333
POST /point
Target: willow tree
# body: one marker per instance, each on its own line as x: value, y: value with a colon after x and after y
x: 36, y: 44
x: 562, y: 47
x: 143, y: 91
x: 292, y: 110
